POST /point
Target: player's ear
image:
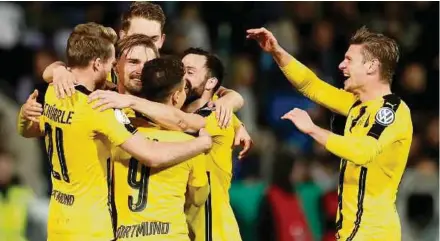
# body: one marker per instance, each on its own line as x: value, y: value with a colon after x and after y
x: 373, y: 66
x: 175, y: 98
x: 97, y: 64
x: 211, y: 83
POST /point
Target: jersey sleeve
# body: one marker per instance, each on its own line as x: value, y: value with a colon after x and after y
x: 319, y: 91
x: 198, y: 177
x: 363, y: 149
x: 114, y: 124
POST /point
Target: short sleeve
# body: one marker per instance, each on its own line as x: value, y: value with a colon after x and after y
x: 198, y: 176
x: 114, y: 124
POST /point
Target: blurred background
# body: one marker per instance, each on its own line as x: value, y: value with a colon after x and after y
x: 34, y: 34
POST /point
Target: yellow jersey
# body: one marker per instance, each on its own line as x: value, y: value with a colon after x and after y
x: 215, y: 220
x: 374, y: 151
x: 78, y: 140
x: 150, y: 201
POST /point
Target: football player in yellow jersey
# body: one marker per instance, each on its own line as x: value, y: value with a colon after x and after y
x: 215, y: 220
x: 150, y: 201
x: 148, y: 19
x: 78, y: 141
x: 378, y: 132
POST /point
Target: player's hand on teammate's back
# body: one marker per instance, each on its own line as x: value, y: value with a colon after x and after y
x: 301, y: 119
x: 242, y: 138
x: 64, y: 82
x: 264, y: 37
x: 106, y: 99
x: 223, y: 112
x: 32, y: 110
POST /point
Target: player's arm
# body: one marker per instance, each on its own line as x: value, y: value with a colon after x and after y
x: 242, y: 137
x: 166, y: 116
x: 150, y: 153
x: 230, y: 98
x: 164, y: 154
x: 362, y: 150
x: 226, y: 102
x: 28, y: 117
x: 27, y: 128
x: 198, y: 187
x: 358, y: 149
x: 301, y: 77
x: 63, y: 80
x: 49, y: 70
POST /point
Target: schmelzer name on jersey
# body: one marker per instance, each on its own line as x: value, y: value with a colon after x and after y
x: 385, y: 116
x: 63, y: 198
x: 143, y: 229
x: 57, y: 115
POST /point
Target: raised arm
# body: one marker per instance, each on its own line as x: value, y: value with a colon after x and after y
x: 166, y: 116
x: 301, y: 77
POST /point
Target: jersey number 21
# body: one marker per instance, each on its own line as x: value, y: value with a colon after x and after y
x: 60, y: 150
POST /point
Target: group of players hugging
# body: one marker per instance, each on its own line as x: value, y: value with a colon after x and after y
x: 140, y: 145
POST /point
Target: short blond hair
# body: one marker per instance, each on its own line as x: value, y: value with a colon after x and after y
x: 87, y: 42
x: 378, y: 46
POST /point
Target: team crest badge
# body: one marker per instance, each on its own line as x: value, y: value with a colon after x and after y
x: 385, y: 116
x: 121, y: 117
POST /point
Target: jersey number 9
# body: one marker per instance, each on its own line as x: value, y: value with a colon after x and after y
x: 60, y: 151
x: 141, y: 185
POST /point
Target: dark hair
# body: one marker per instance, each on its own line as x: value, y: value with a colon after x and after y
x: 160, y: 77
x: 378, y: 46
x: 134, y: 40
x: 147, y: 10
x: 213, y: 64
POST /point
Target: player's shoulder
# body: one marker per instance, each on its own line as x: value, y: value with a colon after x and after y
x: 393, y: 108
x: 397, y: 104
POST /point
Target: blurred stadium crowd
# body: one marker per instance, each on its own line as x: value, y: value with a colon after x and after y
x: 34, y: 34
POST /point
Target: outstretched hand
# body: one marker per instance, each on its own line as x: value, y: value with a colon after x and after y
x: 301, y: 119
x: 264, y: 37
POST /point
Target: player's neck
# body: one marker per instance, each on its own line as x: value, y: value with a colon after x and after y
x: 374, y: 92
x: 199, y: 103
x: 83, y: 78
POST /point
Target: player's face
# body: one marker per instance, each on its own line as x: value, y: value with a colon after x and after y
x: 147, y: 27
x: 179, y: 97
x: 354, y: 68
x: 195, y: 75
x: 129, y: 67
